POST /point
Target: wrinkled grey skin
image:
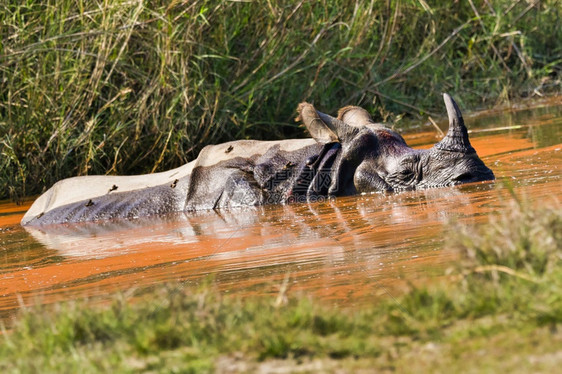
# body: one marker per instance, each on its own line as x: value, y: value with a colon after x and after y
x: 376, y: 158
x: 347, y: 155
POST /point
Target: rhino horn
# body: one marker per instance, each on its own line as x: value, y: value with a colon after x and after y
x: 456, y: 139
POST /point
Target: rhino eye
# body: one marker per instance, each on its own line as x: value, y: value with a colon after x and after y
x: 464, y: 178
x: 406, y: 175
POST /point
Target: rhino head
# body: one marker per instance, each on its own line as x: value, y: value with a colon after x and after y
x: 375, y: 158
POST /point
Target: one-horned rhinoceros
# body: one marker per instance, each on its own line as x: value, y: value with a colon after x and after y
x: 347, y: 155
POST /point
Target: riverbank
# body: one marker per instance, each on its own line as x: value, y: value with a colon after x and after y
x: 129, y: 87
x: 498, y: 308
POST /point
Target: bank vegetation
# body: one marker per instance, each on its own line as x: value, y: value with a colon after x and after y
x: 134, y: 86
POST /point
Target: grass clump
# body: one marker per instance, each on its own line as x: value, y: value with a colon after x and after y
x: 530, y: 245
x: 483, y: 304
x: 134, y: 86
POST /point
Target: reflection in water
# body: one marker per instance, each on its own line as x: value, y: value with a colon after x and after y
x: 348, y: 250
x: 333, y: 219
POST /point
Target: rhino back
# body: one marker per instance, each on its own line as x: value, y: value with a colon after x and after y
x: 219, y: 174
x: 95, y: 197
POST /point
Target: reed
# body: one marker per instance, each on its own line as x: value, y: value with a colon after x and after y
x: 131, y: 86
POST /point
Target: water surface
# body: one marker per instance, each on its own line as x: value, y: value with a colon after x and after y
x: 345, y: 251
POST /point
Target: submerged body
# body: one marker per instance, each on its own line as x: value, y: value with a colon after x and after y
x: 347, y: 155
x: 194, y: 186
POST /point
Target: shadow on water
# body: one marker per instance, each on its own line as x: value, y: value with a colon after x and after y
x: 346, y: 251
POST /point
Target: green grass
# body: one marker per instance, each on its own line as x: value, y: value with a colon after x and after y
x: 499, y: 308
x: 129, y: 86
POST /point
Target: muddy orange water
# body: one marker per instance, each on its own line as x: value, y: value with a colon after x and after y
x: 346, y: 251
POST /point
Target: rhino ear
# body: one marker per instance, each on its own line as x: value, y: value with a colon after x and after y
x: 355, y: 116
x: 323, y: 128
